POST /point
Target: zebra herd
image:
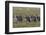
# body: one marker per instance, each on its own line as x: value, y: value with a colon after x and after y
x: 26, y: 18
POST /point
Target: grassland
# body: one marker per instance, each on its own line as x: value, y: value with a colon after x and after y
x: 26, y: 11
